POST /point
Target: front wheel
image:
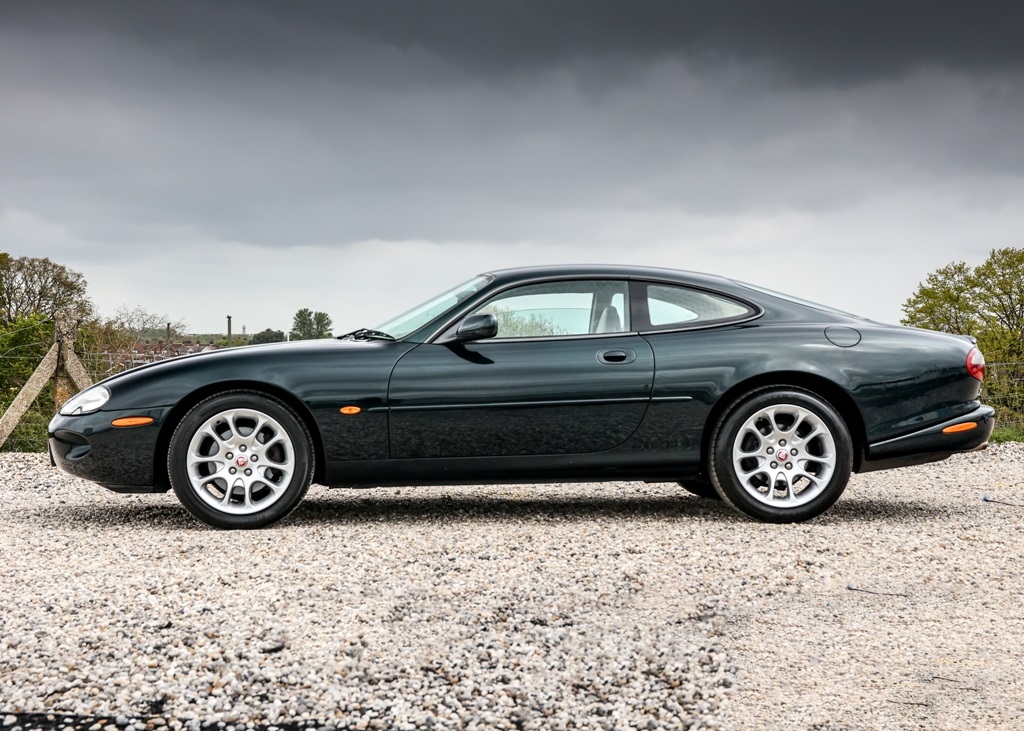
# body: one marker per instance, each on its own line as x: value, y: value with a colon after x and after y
x: 781, y: 455
x: 240, y: 460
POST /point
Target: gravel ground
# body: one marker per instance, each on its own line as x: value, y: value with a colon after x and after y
x: 622, y: 605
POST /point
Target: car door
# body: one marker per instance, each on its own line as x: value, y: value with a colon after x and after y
x: 564, y: 375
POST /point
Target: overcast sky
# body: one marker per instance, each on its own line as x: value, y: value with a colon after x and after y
x: 204, y: 159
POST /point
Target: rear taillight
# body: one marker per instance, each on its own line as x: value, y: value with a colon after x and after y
x: 976, y: 364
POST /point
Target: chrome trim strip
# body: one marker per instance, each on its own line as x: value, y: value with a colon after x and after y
x: 514, y: 404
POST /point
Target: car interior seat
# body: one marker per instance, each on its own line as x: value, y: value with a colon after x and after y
x: 609, y: 322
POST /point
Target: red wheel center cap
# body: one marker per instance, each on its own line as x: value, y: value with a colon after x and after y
x: 241, y: 461
x: 782, y: 456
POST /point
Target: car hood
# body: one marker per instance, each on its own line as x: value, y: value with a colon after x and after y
x: 273, y: 362
x: 243, y: 351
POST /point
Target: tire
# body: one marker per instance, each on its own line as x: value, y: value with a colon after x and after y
x: 781, y: 455
x: 700, y: 488
x: 240, y: 459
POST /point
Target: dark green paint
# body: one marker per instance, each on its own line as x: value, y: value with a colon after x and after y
x: 627, y: 406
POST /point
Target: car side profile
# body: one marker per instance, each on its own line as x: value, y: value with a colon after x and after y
x: 542, y: 374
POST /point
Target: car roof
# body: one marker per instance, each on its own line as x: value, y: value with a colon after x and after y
x: 790, y: 308
x: 617, y: 271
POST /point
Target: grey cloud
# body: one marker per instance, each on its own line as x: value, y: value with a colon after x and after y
x: 285, y: 158
x: 593, y: 125
x: 837, y: 42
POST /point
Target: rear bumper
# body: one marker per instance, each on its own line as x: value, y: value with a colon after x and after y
x: 933, y: 443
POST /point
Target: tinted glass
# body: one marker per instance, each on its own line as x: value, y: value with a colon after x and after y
x: 797, y: 300
x: 556, y: 309
x: 668, y: 306
x: 417, y: 317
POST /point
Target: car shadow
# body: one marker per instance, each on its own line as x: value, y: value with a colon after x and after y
x: 875, y: 510
x: 469, y: 509
x: 323, y: 509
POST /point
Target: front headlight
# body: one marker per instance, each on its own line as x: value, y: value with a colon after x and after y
x: 88, y: 401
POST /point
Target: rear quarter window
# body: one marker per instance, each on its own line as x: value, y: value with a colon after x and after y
x: 670, y: 307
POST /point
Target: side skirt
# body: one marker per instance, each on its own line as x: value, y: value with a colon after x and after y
x: 506, y: 470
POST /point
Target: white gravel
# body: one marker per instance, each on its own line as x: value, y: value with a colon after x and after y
x: 620, y: 605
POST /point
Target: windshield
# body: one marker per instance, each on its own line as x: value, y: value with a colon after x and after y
x: 411, y: 321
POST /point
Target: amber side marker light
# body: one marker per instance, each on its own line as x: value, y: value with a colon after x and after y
x: 132, y: 421
x: 959, y: 427
x: 349, y: 410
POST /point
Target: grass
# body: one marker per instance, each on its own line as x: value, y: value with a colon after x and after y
x: 1008, y: 433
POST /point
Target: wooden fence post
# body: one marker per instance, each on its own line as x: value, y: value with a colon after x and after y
x: 61, y: 363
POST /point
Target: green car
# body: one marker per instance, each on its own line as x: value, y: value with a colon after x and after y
x: 544, y: 374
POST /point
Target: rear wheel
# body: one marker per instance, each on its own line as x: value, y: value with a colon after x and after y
x: 240, y: 460
x: 781, y: 455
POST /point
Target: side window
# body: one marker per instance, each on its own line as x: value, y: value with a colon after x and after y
x: 669, y: 306
x: 556, y: 309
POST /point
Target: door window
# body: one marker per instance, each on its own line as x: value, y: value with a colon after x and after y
x: 558, y: 309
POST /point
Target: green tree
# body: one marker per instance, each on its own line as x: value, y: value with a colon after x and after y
x: 999, y: 290
x: 267, y: 336
x: 309, y: 325
x: 23, y: 343
x: 986, y: 301
x: 33, y: 286
x: 944, y: 301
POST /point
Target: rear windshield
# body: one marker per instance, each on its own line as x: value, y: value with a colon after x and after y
x: 797, y: 300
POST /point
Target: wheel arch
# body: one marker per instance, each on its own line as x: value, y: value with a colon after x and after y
x: 186, y: 403
x: 822, y: 387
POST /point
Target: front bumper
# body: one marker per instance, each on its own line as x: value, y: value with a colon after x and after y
x: 933, y: 443
x: 120, y: 459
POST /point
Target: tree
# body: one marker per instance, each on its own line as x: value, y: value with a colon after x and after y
x: 117, y: 337
x: 944, y: 301
x: 986, y: 301
x: 309, y: 325
x: 23, y: 343
x: 512, y: 324
x: 33, y: 286
x: 131, y: 325
x: 999, y: 289
x: 267, y: 336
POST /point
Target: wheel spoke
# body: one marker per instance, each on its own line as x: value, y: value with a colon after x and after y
x: 752, y: 434
x: 212, y: 433
x: 220, y: 471
x: 790, y: 491
x: 247, y: 495
x: 232, y: 420
x: 799, y: 441
x: 752, y: 471
x: 261, y: 449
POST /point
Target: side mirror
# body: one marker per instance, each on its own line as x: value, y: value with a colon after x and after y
x: 476, y: 327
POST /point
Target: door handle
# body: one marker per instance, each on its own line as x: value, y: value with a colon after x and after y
x: 616, y: 357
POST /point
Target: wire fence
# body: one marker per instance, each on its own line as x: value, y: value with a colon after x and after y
x: 18, y: 361
x: 1003, y: 388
